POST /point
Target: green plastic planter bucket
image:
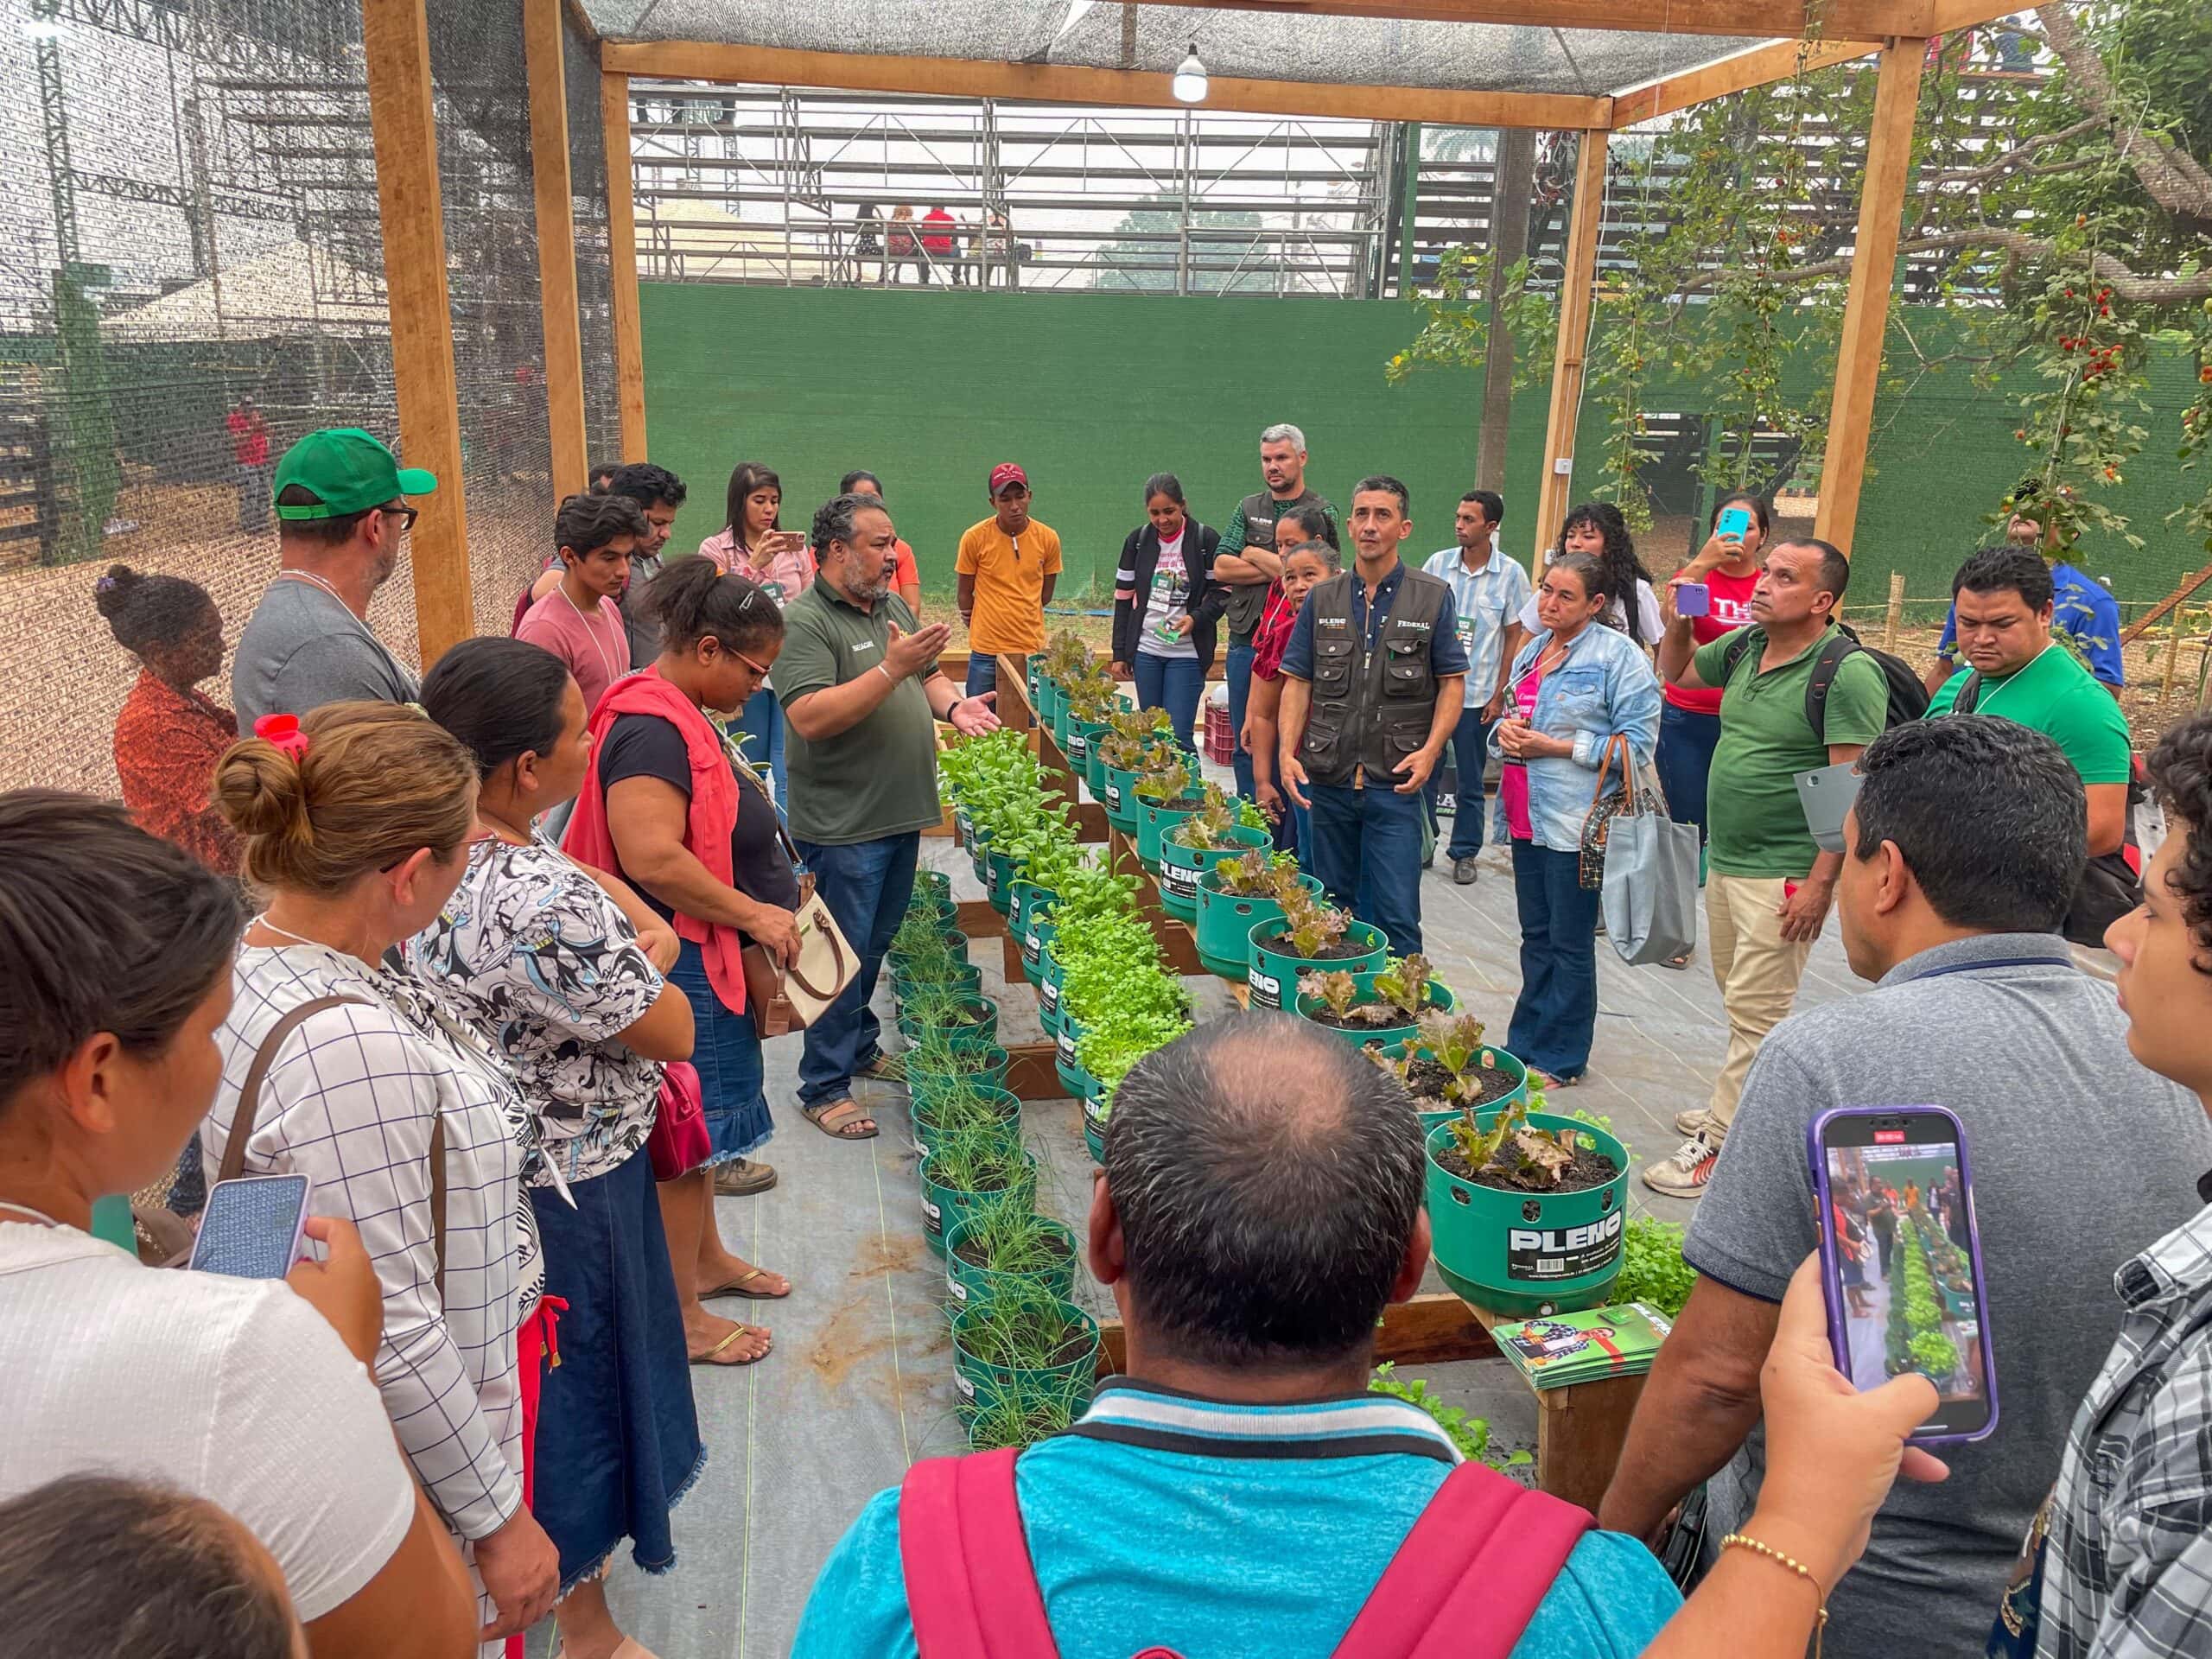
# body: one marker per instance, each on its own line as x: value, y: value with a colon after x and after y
x: 922, y: 1116
x: 936, y: 885
x: 1081, y: 734
x: 1154, y: 821
x: 1225, y: 924
x: 979, y: 848
x: 982, y: 1385
x: 1064, y: 1060
x: 966, y: 1282
x: 1274, y: 975
x: 1040, y: 932
x: 1094, y: 1110
x: 1060, y: 720
x: 982, y: 1033
x: 1527, y: 1254
x: 965, y: 976
x: 1120, y: 798
x: 1180, y: 866
x: 924, y: 1084
x: 1094, y: 765
x: 998, y: 877
x: 945, y: 1207
x: 1043, y: 695
x: 1049, y: 976
x: 1498, y: 1059
x: 1440, y: 999
x: 1027, y: 902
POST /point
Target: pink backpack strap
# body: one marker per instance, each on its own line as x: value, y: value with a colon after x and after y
x: 971, y: 1588
x: 1470, y: 1574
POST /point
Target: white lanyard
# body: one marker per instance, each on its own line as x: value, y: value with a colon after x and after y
x: 1983, y: 705
x: 591, y: 633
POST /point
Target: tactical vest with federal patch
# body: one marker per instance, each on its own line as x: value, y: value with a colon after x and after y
x: 1248, y: 600
x: 1371, y: 709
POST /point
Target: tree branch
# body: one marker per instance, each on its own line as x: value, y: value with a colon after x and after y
x: 2120, y: 278
x: 2019, y: 153
x: 2171, y: 176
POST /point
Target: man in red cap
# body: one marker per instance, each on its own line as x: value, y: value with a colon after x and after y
x: 1006, y: 569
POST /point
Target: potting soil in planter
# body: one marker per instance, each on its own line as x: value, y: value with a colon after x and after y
x: 1276, y: 964
x: 1426, y: 1079
x: 1591, y: 1169
x: 968, y: 1276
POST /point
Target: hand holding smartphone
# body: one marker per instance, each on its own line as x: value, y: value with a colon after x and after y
x: 1901, y: 1260
x: 252, y: 1226
x: 1692, y: 599
x: 1735, y: 523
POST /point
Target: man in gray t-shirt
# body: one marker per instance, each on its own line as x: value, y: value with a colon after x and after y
x: 1962, y: 852
x: 341, y: 511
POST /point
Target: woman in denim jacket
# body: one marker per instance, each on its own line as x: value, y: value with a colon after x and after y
x: 1575, y: 685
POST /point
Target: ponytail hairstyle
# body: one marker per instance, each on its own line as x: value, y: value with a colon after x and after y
x: 692, y: 601
x: 377, y: 782
x: 1595, y: 574
x: 150, y: 615
x: 1622, y: 569
x: 1315, y: 520
x: 500, y: 697
x: 746, y: 477
x: 103, y: 927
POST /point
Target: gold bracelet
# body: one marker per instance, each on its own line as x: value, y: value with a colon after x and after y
x: 1821, y: 1621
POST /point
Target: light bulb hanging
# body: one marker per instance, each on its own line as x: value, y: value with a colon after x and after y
x: 1190, y: 83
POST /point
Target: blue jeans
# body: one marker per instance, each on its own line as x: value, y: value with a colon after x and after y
x: 1240, y: 692
x: 1468, y: 747
x: 983, y: 672
x: 1366, y: 850
x: 866, y: 886
x: 1684, y: 760
x: 1172, y: 683
x: 1557, y: 1010
x: 762, y: 719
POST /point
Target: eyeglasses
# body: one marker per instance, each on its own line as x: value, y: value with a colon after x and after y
x: 761, y: 669
x: 408, y: 516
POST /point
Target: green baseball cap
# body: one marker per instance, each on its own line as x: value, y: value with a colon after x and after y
x: 347, y: 471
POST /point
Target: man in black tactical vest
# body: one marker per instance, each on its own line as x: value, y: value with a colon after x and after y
x: 1372, y: 683
x: 1245, y: 564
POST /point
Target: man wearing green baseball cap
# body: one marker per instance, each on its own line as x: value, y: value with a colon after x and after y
x: 341, y: 514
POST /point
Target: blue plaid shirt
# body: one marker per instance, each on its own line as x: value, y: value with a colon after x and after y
x: 1484, y: 603
x: 2127, y: 1567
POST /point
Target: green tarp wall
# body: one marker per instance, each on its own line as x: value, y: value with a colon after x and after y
x: 1093, y: 393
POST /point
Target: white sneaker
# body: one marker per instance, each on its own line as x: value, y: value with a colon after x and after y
x: 1696, y: 1121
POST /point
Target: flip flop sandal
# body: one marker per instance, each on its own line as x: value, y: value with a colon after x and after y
x: 737, y: 1287
x: 832, y: 1119
x: 709, y: 1357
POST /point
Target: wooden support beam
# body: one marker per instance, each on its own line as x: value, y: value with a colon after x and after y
x: 1555, y: 490
x: 1866, y: 20
x: 396, y: 44
x: 1867, y: 310
x: 556, y: 244
x: 1030, y: 1074
x: 1072, y: 84
x: 622, y: 251
x: 1760, y: 66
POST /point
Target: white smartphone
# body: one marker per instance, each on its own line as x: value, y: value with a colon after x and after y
x: 252, y: 1226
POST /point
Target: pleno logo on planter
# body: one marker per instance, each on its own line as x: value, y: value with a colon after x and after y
x: 1563, y: 1253
x: 1179, y: 880
x: 1267, y: 990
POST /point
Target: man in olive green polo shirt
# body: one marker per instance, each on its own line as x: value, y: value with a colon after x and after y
x: 1767, y: 887
x: 859, y: 682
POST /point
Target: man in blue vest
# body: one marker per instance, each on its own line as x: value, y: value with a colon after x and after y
x: 1372, y: 689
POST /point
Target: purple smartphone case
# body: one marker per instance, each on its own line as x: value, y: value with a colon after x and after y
x: 1831, y: 1274
x: 1692, y: 599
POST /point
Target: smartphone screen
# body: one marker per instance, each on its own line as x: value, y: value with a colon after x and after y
x: 1901, y: 1261
x: 250, y: 1229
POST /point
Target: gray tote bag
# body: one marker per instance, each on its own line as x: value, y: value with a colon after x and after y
x: 1649, y: 897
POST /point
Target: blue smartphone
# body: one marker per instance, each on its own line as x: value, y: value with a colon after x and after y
x: 1692, y: 599
x: 252, y: 1226
x: 1734, y: 521
x: 1901, y: 1260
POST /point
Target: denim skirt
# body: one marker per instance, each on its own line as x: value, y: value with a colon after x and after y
x: 725, y: 1051
x: 617, y: 1442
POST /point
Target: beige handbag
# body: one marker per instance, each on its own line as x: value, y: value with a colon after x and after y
x: 782, y: 999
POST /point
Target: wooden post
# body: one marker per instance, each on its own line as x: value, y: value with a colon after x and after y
x: 556, y: 244
x: 1867, y: 312
x: 395, y: 43
x: 1896, y: 612
x: 2173, y: 661
x: 1553, y: 490
x: 622, y: 250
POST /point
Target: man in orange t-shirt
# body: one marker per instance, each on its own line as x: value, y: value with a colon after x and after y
x: 1005, y: 570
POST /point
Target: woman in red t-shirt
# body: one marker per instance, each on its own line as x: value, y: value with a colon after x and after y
x: 1689, y: 724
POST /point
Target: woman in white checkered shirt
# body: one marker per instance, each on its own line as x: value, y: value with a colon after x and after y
x: 357, y: 830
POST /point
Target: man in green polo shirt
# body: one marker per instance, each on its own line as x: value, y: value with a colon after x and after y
x: 2003, y: 599
x: 1768, y: 887
x: 860, y: 690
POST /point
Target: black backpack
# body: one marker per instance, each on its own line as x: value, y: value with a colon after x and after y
x: 1908, y: 697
